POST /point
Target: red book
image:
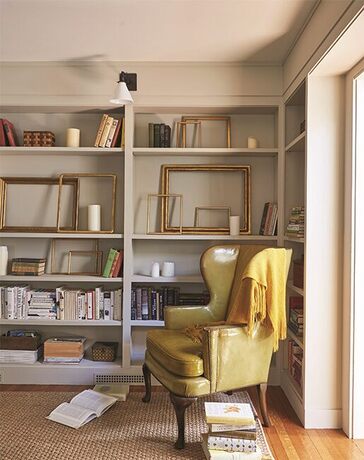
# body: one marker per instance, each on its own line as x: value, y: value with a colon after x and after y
x: 9, y: 132
x: 117, y: 132
x: 2, y: 134
x: 296, y: 302
x: 117, y: 268
x: 114, y: 262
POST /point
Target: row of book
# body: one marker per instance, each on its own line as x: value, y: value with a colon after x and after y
x: 28, y: 267
x: 268, y: 224
x: 296, y: 222
x: 295, y: 361
x: 295, y: 318
x: 159, y: 135
x: 114, y: 263
x: 111, y: 132
x: 147, y: 303
x: 62, y: 303
x: 7, y: 134
x: 232, y: 432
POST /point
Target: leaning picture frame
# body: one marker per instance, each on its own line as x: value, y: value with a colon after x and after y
x: 243, y: 173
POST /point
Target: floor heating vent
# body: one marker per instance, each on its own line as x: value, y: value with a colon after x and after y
x: 114, y: 378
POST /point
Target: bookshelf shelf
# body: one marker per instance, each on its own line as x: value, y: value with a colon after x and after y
x: 84, y: 364
x: 166, y: 237
x: 51, y: 322
x: 190, y: 152
x: 298, y: 340
x: 173, y: 279
x: 59, y: 151
x: 298, y: 144
x: 294, y: 239
x: 147, y: 323
x: 62, y: 278
x: 293, y: 288
x: 111, y: 236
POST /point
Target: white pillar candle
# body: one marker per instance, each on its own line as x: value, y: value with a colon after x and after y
x: 73, y: 137
x: 252, y: 143
x: 155, y: 270
x: 94, y: 217
x: 168, y: 269
x: 3, y: 260
x: 234, y: 222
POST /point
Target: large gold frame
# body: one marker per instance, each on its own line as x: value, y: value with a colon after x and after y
x: 246, y: 211
x: 164, y: 197
x: 5, y: 181
x: 188, y: 118
x: 61, y: 181
x: 98, y: 258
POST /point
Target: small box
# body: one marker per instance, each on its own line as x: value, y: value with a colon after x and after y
x: 104, y: 351
x: 20, y: 343
x: 298, y: 273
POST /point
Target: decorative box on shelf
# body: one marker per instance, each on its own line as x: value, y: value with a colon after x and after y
x: 39, y: 139
x: 20, y: 342
x: 104, y: 351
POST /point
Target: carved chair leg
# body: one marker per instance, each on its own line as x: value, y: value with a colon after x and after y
x: 262, y: 392
x: 148, y: 383
x: 180, y: 405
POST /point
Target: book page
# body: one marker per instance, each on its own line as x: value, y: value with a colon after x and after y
x: 97, y: 402
x: 71, y: 415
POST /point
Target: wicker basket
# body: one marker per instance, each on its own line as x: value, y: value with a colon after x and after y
x: 104, y: 351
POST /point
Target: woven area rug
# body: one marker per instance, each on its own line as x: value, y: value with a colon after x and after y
x: 128, y: 430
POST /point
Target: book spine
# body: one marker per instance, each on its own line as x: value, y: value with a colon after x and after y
x: 100, y: 130
x: 167, y: 136
x: 122, y: 143
x: 107, y: 306
x: 116, y: 134
x: 231, y: 444
x: 2, y: 134
x: 114, y: 263
x: 151, y: 134
x: 9, y: 132
x: 133, y: 305
x: 111, y: 133
x: 106, y: 131
x: 117, y: 270
x: 138, y: 303
x: 109, y: 262
x: 264, y: 218
x: 145, y: 306
x: 156, y: 135
x: 162, y: 135
x: 154, y: 304
x: 268, y: 219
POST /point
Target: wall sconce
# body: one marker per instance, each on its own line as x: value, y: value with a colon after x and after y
x: 127, y: 82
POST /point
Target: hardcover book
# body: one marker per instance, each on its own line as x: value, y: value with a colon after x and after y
x: 229, y: 413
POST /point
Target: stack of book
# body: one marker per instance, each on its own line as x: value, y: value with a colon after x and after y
x: 268, y: 224
x: 110, y: 132
x: 232, y: 432
x: 159, y: 135
x: 113, y: 265
x: 64, y: 350
x: 7, y: 134
x: 296, y: 222
x: 28, y: 267
x: 295, y: 321
x: 295, y: 361
x: 41, y: 304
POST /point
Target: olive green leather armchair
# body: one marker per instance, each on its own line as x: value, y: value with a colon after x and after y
x: 227, y: 359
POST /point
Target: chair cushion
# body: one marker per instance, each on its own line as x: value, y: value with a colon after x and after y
x: 175, y: 352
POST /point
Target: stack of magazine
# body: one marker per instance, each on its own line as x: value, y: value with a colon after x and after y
x: 232, y: 432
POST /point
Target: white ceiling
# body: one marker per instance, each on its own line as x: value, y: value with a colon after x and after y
x: 151, y: 30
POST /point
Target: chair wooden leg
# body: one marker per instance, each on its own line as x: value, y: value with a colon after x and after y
x: 262, y: 392
x: 148, y: 383
x: 180, y: 405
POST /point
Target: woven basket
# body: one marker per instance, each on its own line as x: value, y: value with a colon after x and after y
x: 104, y: 351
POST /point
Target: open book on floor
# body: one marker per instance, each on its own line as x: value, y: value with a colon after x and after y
x: 83, y: 408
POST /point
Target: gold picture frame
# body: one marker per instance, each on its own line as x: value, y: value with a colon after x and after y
x: 181, y: 138
x: 189, y: 118
x: 167, y: 169
x: 164, y: 197
x: 5, y: 181
x: 98, y: 258
x: 226, y: 209
x: 61, y: 182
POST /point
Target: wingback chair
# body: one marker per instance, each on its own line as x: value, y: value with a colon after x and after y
x: 227, y: 359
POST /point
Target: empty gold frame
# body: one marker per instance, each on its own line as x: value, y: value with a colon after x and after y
x: 46, y: 181
x: 66, y: 176
x: 182, y: 126
x: 188, y: 118
x: 198, y: 209
x: 165, y: 197
x: 245, y: 212
x: 95, y: 252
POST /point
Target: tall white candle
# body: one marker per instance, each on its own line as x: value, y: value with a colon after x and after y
x: 252, y: 143
x: 234, y: 225
x: 94, y: 217
x: 73, y: 137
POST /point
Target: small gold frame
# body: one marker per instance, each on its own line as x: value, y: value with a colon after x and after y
x: 66, y: 176
x: 5, y: 181
x: 188, y: 118
x: 164, y: 197
x: 245, y: 229
x: 98, y: 259
x: 181, y: 125
x: 210, y: 208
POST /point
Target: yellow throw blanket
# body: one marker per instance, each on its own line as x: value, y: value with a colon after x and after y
x: 258, y: 293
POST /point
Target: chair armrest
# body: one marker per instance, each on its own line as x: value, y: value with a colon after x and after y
x: 233, y: 359
x: 187, y: 316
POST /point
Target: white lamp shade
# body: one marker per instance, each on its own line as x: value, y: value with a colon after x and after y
x: 122, y: 95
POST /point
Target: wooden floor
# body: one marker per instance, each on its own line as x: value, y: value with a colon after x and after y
x: 287, y: 439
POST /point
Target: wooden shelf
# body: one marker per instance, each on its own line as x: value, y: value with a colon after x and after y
x: 141, y: 236
x: 172, y: 279
x: 292, y: 335
x: 294, y: 239
x: 176, y: 151
x: 294, y: 385
x: 298, y: 144
x: 293, y: 288
x: 147, y: 323
x: 56, y: 322
x: 85, y: 363
x: 62, y: 278
x: 62, y: 151
x: 113, y: 236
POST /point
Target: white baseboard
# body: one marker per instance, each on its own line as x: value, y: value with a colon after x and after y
x: 323, y: 418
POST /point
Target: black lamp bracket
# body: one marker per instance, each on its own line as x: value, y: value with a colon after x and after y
x: 130, y: 79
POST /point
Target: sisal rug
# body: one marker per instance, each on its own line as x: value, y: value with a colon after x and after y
x: 127, y: 431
